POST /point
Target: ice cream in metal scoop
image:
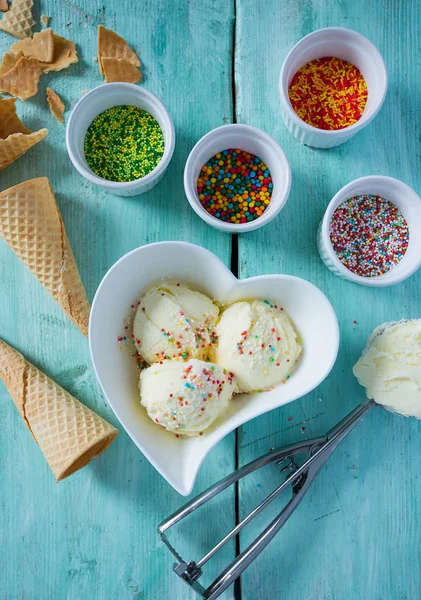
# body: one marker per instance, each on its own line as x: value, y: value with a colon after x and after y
x: 390, y: 367
x: 390, y: 370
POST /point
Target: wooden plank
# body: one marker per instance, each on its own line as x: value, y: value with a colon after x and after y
x: 94, y: 535
x: 358, y: 532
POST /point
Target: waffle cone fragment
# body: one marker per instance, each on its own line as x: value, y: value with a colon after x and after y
x: 31, y: 224
x: 41, y: 46
x: 65, y: 54
x: 9, y: 120
x: 56, y: 105
x: 15, y: 138
x: 119, y: 69
x: 17, y: 144
x: 22, y: 79
x: 111, y: 45
x: 8, y: 61
x: 68, y: 432
x: 18, y: 19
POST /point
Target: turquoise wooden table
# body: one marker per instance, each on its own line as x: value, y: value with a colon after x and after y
x: 358, y: 532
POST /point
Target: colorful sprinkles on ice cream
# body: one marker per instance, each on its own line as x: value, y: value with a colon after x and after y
x: 186, y: 398
x: 127, y: 340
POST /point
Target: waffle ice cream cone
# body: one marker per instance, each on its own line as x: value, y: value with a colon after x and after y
x: 31, y: 224
x: 68, y: 432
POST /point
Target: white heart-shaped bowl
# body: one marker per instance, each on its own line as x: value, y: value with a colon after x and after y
x: 179, y: 459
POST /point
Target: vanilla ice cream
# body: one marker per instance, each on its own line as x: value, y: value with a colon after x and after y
x: 174, y: 321
x: 257, y: 342
x: 186, y: 397
x: 390, y: 367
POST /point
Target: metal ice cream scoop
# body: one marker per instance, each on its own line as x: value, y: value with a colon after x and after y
x: 314, y: 452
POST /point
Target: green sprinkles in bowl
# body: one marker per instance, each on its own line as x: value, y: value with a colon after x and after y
x: 123, y: 143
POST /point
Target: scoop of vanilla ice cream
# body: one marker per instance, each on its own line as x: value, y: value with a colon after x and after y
x: 257, y: 342
x: 390, y: 367
x: 174, y: 321
x: 186, y: 397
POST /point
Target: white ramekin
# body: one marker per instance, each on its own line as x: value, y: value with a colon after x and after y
x: 345, y: 44
x: 251, y: 140
x: 95, y: 102
x: 408, y: 202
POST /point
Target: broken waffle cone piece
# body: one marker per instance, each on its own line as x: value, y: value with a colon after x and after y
x: 68, y: 432
x: 17, y: 144
x: 15, y: 138
x: 18, y: 19
x: 3, y: 5
x: 45, y: 20
x: 65, y: 54
x: 119, y: 69
x: 9, y: 121
x: 22, y: 80
x: 111, y: 45
x: 56, y: 105
x: 31, y: 224
x: 41, y: 46
x: 8, y: 61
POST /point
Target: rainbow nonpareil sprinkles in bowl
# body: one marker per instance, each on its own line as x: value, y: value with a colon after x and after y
x: 369, y: 235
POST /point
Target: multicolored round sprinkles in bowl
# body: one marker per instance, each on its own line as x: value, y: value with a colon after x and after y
x: 235, y: 186
x: 328, y: 93
x: 123, y: 143
x: 369, y: 235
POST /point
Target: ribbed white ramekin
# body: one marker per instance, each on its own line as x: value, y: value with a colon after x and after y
x: 408, y: 202
x: 253, y: 140
x: 345, y: 44
x: 95, y: 102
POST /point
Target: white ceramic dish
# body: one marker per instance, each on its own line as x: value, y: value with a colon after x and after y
x: 346, y: 44
x: 95, y: 102
x: 178, y: 459
x: 251, y: 140
x: 408, y: 202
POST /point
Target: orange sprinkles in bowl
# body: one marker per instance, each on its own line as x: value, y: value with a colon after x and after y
x: 328, y: 93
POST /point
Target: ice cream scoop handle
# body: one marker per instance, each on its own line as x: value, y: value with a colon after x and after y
x: 341, y: 429
x: 301, y: 479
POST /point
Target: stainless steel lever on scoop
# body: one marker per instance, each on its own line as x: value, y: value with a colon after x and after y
x: 318, y: 450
